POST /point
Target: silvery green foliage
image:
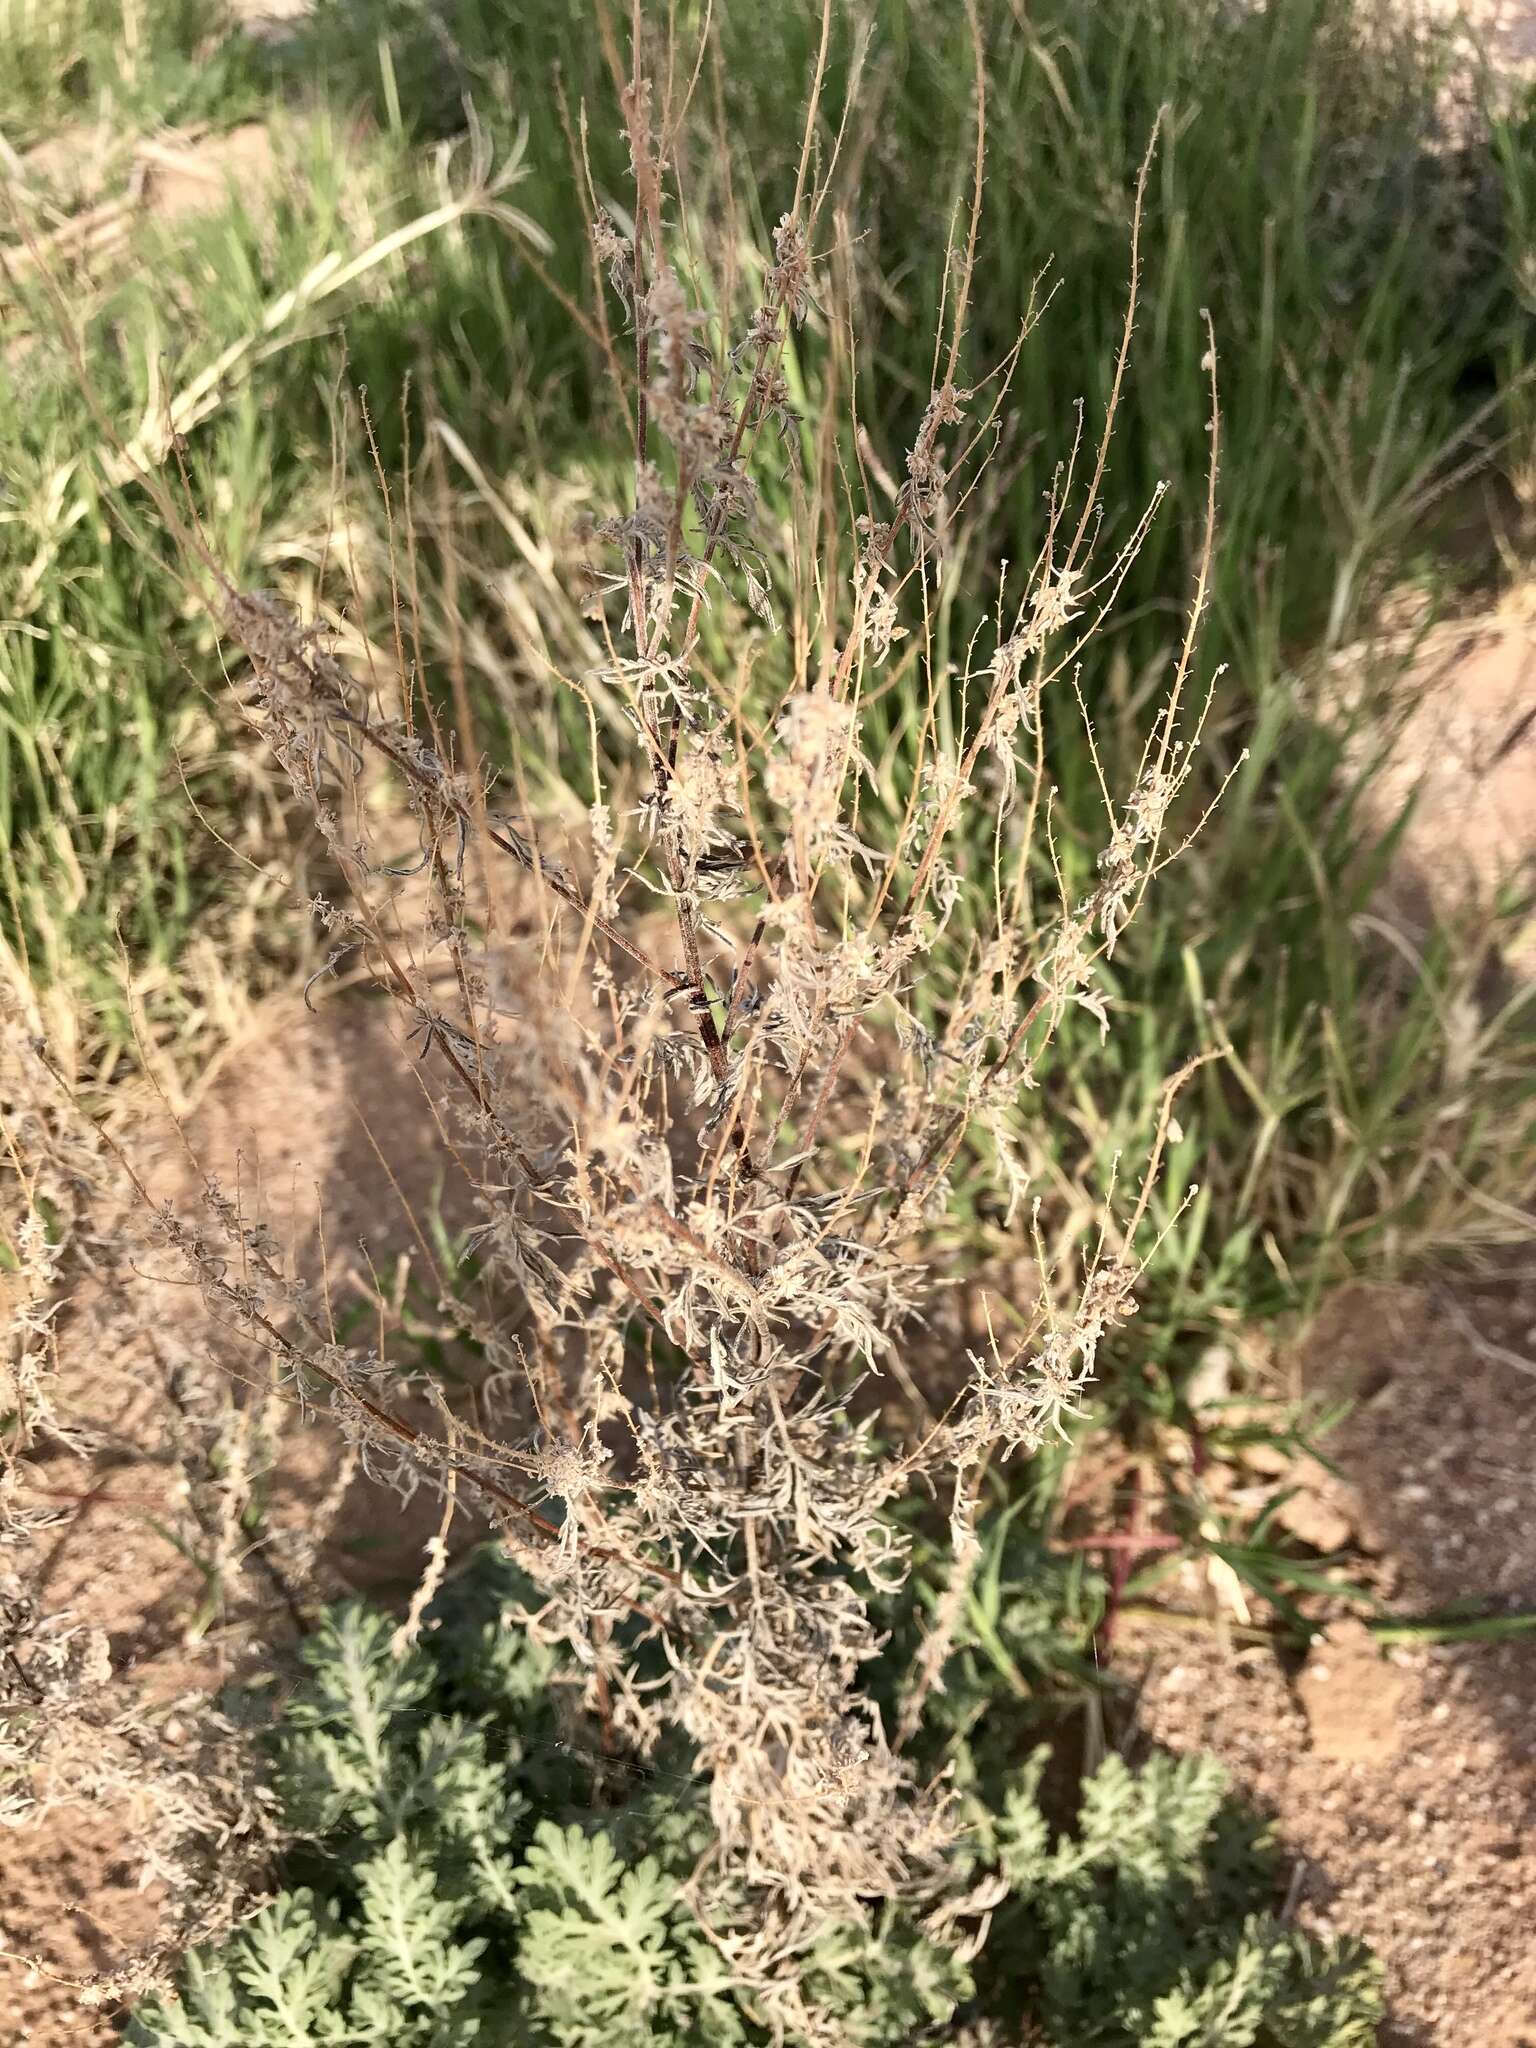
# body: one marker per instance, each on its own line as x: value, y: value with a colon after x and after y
x: 468, y: 1870
x: 1152, y: 1922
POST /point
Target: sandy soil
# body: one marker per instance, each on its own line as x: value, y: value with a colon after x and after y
x: 1405, y: 1782
x: 323, y: 1127
x: 1463, y: 696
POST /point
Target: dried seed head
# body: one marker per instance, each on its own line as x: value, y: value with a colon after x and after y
x: 615, y: 252
x: 814, y: 749
x: 789, y: 278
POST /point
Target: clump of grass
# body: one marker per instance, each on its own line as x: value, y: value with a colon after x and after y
x: 121, y: 795
x: 74, y: 63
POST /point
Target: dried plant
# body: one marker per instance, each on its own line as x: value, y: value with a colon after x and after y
x: 49, y: 1166
x: 177, y: 1777
x: 716, y: 1056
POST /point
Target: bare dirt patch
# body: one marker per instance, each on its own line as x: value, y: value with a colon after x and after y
x: 85, y: 192
x: 1404, y: 1780
x: 195, y: 174
x: 1463, y: 703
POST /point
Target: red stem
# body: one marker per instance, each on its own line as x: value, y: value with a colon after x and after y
x: 1123, y: 1558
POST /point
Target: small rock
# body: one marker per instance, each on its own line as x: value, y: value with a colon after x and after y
x: 1351, y: 1696
x: 1211, y: 1381
x: 1466, y: 755
x: 1319, y: 1512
